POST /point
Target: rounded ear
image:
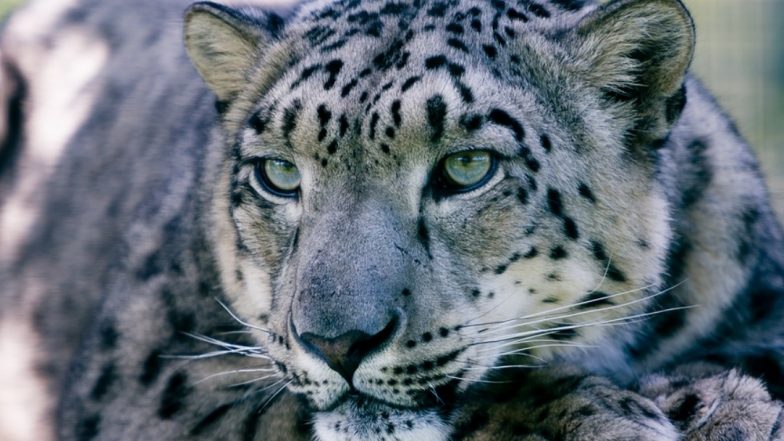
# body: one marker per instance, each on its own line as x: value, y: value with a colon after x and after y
x: 637, y: 49
x: 224, y: 43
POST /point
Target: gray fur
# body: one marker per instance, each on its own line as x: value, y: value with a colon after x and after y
x: 626, y: 231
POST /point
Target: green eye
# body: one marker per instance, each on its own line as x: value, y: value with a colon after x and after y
x: 279, y: 177
x: 465, y: 171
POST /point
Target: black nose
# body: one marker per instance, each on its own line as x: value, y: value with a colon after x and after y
x: 345, y: 352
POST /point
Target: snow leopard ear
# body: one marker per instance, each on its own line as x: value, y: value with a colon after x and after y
x: 224, y: 43
x: 637, y: 49
x: 636, y: 53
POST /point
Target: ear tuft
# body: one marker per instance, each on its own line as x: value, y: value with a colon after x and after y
x: 224, y: 44
x: 637, y: 49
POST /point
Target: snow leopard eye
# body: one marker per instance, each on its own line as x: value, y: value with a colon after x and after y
x: 467, y: 170
x: 279, y: 177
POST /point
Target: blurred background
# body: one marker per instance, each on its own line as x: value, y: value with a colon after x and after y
x: 740, y: 56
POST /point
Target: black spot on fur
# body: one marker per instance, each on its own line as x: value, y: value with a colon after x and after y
x: 598, y: 251
x: 438, y: 9
x: 554, y: 202
x: 14, y: 108
x: 514, y: 14
x: 332, y: 147
x: 409, y: 83
x: 305, y: 75
x: 397, y: 119
x: 454, y: 28
x: 394, y: 9
x: 348, y: 87
x: 211, y: 418
x: 563, y: 334
x: 570, y: 228
x: 319, y: 34
x: 502, y: 118
x: 499, y: 39
x: 373, y: 123
x: 457, y: 44
x: 539, y: 10
x: 700, y: 171
x: 522, y: 195
x: 558, y: 253
x: 108, y: 336
x: 174, y: 395
x: 569, y: 5
x: 531, y: 183
x: 151, y: 368
x: 334, y: 46
x: 343, y: 125
x: 586, y: 192
x: 436, y: 115
x: 615, y: 274
x: 533, y: 252
x: 546, y: 143
x: 290, y: 118
x: 471, y: 122
x: 389, y: 57
x: 466, y: 94
x: 87, y: 428
x: 105, y: 380
x: 595, y: 299
x: 748, y: 238
x: 374, y: 29
x: 323, y: 114
x: 476, y: 25
x: 257, y: 123
x: 151, y: 266
x: 435, y: 62
x: 675, y: 105
x: 686, y: 409
x: 530, y: 161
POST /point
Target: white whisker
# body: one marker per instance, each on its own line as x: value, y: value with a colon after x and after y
x: 470, y: 380
x: 580, y: 313
x: 616, y: 321
x: 236, y: 371
x: 560, y: 308
x: 239, y: 320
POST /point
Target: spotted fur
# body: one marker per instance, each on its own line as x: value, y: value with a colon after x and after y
x: 624, y: 229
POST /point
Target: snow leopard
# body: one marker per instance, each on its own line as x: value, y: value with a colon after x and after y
x: 385, y: 220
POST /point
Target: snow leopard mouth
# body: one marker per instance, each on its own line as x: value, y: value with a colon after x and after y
x: 359, y: 417
x: 437, y: 398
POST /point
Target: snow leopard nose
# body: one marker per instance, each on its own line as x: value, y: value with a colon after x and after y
x: 345, y: 352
